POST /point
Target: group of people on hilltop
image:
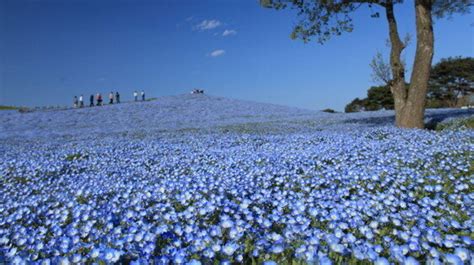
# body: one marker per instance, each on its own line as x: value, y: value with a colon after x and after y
x: 97, y: 100
x: 135, y: 95
x: 113, y: 96
x: 197, y: 91
x: 78, y: 102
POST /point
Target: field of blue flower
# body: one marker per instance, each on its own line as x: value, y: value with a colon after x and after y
x: 195, y: 179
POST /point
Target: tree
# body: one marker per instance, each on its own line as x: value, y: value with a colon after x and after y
x: 324, y: 18
x: 451, y: 79
x: 378, y: 97
x: 381, y: 72
x: 356, y: 105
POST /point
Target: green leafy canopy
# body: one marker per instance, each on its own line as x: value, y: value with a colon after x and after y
x: 325, y: 18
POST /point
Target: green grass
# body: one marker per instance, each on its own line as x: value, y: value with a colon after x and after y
x: 76, y: 156
x: 81, y: 199
x: 8, y: 107
x: 464, y: 123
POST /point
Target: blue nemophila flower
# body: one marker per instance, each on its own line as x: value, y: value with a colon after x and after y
x: 193, y: 262
x: 255, y: 253
x: 382, y: 261
x: 208, y: 253
x: 227, y: 223
x: 324, y: 260
x: 183, y: 195
x: 410, y: 261
x: 277, y: 249
x: 269, y: 262
x: 413, y: 245
x: 463, y: 253
x: 45, y: 262
x: 448, y: 243
x: 179, y: 258
x: 63, y: 261
x: 452, y: 259
x: 229, y: 248
x: 17, y: 260
x: 11, y: 252
x: 76, y: 258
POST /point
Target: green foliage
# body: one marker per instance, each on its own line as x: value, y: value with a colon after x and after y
x: 442, y: 8
x: 381, y: 70
x: 21, y: 180
x: 160, y: 243
x: 329, y: 110
x: 434, y: 103
x: 356, y: 105
x: 465, y: 123
x: 378, y: 97
x: 24, y: 110
x: 76, y: 156
x: 323, y: 19
x: 318, y: 18
x: 81, y: 199
x: 8, y: 107
x: 450, y: 80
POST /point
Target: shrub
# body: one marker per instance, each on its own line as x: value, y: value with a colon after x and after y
x: 462, y: 123
x: 25, y: 110
x: 8, y: 108
x: 329, y: 110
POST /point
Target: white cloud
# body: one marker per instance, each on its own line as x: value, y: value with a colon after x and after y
x: 229, y: 32
x: 208, y: 24
x: 217, y: 53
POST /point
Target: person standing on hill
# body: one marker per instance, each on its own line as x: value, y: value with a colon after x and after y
x: 81, y: 101
x: 143, y: 95
x: 91, y: 99
x: 99, y: 99
x: 111, y: 97
x: 117, y: 97
x: 135, y: 95
x: 75, y: 102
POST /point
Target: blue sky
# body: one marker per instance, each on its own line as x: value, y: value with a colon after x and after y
x: 51, y: 50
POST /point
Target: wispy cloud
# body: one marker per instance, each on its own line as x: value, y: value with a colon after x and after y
x: 229, y: 32
x: 217, y: 53
x: 208, y: 24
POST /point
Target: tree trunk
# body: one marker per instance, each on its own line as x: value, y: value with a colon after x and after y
x: 410, y: 103
x: 397, y: 84
x: 415, y: 106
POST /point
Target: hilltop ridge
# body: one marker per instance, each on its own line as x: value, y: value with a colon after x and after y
x: 184, y: 112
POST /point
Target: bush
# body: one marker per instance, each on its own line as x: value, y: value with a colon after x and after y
x: 8, y: 108
x: 462, y: 123
x: 435, y: 104
x: 378, y: 97
x: 25, y: 110
x: 355, y: 106
x: 329, y: 110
